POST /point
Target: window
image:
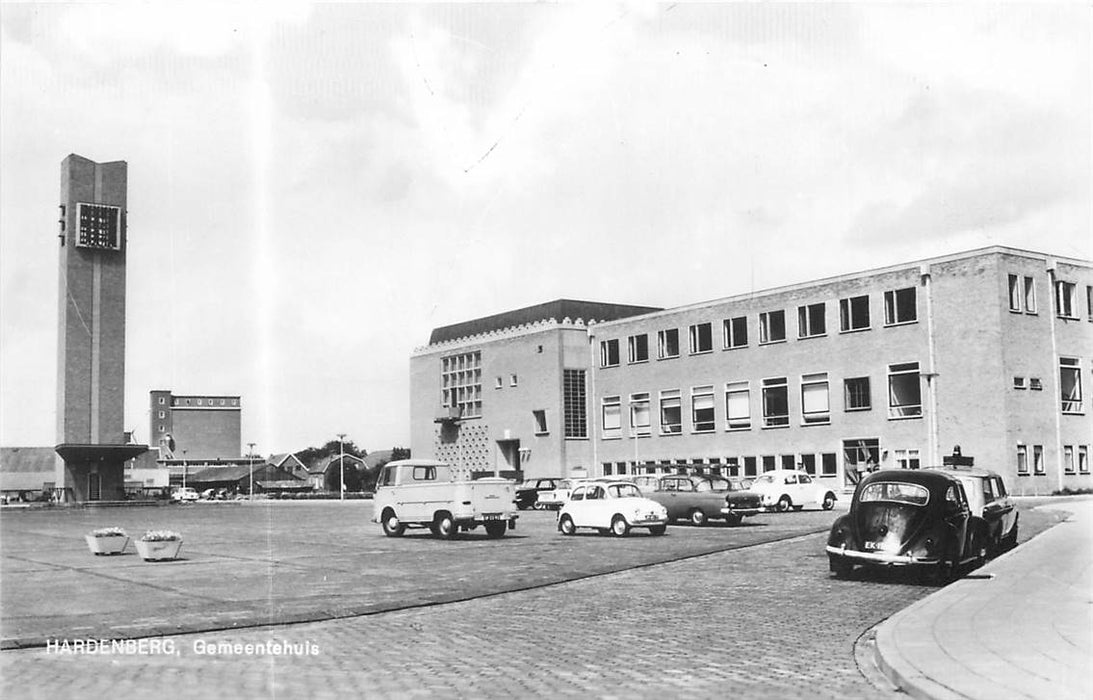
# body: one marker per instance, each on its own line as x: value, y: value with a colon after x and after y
x: 609, y: 353
x: 573, y: 403
x: 639, y: 414
x: 162, y: 414
x: 540, y: 422
x: 1070, y: 383
x: 638, y: 346
x: 513, y: 380
x: 770, y: 463
x: 828, y: 464
x: 736, y: 332
x: 749, y: 466
x: 738, y: 405
x: 1089, y: 301
x: 900, y: 306
x: 775, y: 402
x: 668, y: 343
x: 424, y: 474
x: 788, y: 462
x: 1065, y: 301
x: 162, y: 401
x: 612, y: 417
x: 461, y: 383
x: 1018, y: 382
x: 1030, y: 295
x: 671, y: 414
x: 808, y: 463
x: 702, y: 413
x: 907, y: 459
x: 856, y: 394
x: 811, y: 320
x: 701, y: 338
x: 772, y: 327
x: 1068, y: 459
x: 1083, y: 459
x: 1038, y: 459
x: 162, y: 429
x: 498, y: 383
x: 854, y: 313
x: 815, y: 406
x: 1035, y: 384
x: 1015, y: 293
x: 904, y: 391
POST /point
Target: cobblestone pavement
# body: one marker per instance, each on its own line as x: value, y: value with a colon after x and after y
x: 760, y: 621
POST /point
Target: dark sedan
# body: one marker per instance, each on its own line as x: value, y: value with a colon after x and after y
x: 527, y: 493
x: 908, y: 518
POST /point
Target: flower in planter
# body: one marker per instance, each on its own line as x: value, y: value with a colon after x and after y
x: 160, y: 536
x: 109, y: 532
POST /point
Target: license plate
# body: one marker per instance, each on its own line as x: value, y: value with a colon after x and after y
x: 871, y: 545
x: 491, y: 516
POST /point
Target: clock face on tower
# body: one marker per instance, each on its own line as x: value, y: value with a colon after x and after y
x: 99, y: 226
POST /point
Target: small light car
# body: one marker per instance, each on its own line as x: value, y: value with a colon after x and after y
x: 557, y: 498
x: 782, y: 489
x: 918, y: 519
x: 527, y: 493
x: 989, y: 500
x: 184, y: 495
x: 611, y: 506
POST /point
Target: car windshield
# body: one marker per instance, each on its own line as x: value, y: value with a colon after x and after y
x: 765, y: 479
x: 565, y: 484
x: 911, y: 494
x: 624, y: 491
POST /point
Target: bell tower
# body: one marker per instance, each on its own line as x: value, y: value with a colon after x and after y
x: 92, y: 445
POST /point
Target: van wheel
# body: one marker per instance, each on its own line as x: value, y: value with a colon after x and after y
x: 619, y: 528
x: 565, y: 525
x: 698, y: 518
x: 496, y: 528
x: 391, y: 525
x: 829, y: 500
x: 444, y: 526
x: 784, y: 504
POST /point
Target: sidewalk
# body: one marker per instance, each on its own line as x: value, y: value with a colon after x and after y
x: 1019, y: 627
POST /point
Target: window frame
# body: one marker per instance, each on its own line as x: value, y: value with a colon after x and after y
x: 893, y: 307
x: 633, y: 346
x: 816, y: 379
x: 638, y: 399
x: 729, y: 332
x: 1074, y: 405
x: 609, y: 348
x: 699, y: 332
x: 903, y: 369
x: 770, y: 385
x: 614, y: 403
x: 806, y: 320
x: 847, y: 394
x: 765, y: 327
x: 1066, y: 292
x: 663, y: 344
x: 665, y: 396
x: 847, y: 314
x: 737, y: 388
x: 704, y: 392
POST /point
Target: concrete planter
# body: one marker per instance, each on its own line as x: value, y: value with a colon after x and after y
x: 158, y: 550
x: 106, y: 545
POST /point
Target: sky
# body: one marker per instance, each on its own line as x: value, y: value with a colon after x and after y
x: 314, y: 187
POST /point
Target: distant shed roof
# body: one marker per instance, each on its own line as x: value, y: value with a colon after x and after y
x: 559, y: 309
x: 26, y: 468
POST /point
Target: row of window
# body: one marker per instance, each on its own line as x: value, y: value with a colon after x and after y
x: 189, y: 401
x: 1075, y: 460
x: 1070, y: 384
x: 900, y: 307
x: 904, y: 401
x: 749, y: 465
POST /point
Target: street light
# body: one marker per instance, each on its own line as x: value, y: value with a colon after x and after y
x: 341, y: 464
x: 250, y: 463
x: 183, y: 469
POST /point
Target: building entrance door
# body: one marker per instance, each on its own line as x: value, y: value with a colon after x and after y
x: 508, y: 455
x: 94, y: 486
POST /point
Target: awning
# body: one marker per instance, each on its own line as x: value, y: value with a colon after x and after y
x: 72, y: 452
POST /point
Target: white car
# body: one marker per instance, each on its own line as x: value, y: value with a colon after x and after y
x: 783, y: 489
x: 611, y: 506
x: 184, y: 494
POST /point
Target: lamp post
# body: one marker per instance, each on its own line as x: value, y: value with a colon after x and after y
x: 184, y: 469
x: 341, y: 465
x: 250, y: 463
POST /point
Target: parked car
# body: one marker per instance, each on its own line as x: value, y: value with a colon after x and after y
x: 184, y: 494
x: 908, y: 518
x: 611, y: 506
x: 700, y: 498
x: 527, y: 493
x: 783, y: 489
x: 557, y: 498
x: 989, y: 500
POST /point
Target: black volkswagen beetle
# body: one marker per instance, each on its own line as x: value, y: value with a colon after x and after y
x: 908, y: 518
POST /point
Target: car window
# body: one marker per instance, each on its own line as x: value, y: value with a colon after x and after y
x: 685, y: 485
x: 763, y: 480
x: 577, y: 495
x: 388, y: 477
x: 895, y: 492
x: 999, y: 487
x: 955, y: 499
x: 424, y: 473
x: 594, y: 493
x: 791, y: 479
x: 624, y: 491
x: 805, y: 479
x: 988, y: 490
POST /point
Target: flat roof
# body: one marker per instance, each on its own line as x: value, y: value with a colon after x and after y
x: 559, y: 309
